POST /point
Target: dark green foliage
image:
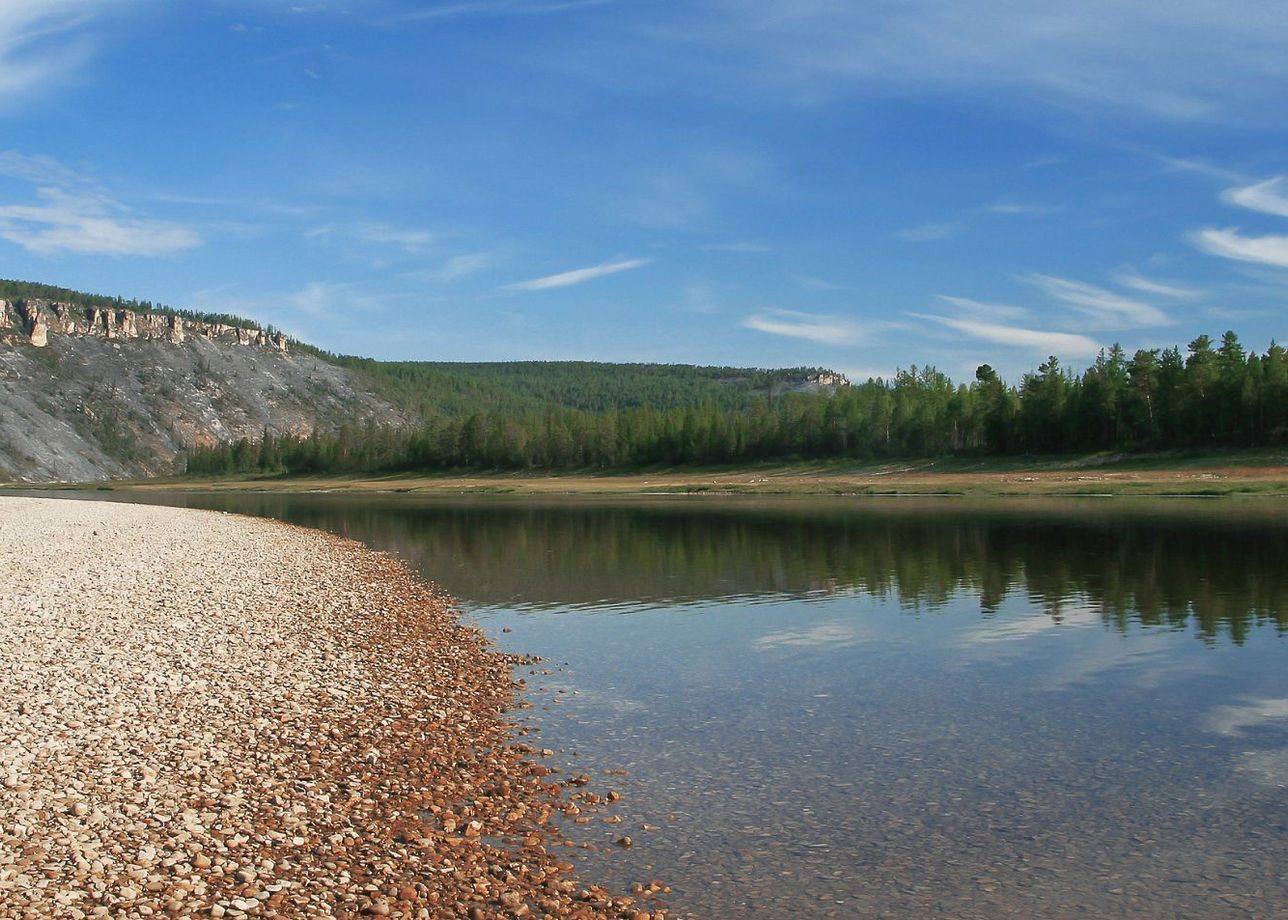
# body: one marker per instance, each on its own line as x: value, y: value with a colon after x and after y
x: 434, y: 389
x: 535, y: 416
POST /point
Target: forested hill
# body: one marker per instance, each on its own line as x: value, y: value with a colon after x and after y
x: 100, y: 387
x: 1212, y: 395
x: 457, y: 389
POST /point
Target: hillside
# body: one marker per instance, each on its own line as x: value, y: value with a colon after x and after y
x: 89, y: 393
x: 95, y: 387
x: 455, y: 389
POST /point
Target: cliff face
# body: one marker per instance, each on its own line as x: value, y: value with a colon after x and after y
x: 34, y: 320
x: 104, y: 394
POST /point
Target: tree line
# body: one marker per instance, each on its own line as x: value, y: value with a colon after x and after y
x: 1216, y: 394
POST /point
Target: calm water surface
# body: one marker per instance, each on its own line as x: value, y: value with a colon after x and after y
x: 903, y: 708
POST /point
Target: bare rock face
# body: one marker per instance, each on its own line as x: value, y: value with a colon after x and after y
x: 38, y: 319
x: 38, y: 334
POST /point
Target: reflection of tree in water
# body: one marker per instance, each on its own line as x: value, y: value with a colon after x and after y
x: 1222, y: 570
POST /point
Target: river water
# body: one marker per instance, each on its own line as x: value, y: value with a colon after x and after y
x: 889, y: 707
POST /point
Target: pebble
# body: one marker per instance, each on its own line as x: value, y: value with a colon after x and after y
x: 220, y: 715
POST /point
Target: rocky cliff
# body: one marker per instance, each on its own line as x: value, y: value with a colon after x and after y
x: 89, y: 393
x: 33, y: 320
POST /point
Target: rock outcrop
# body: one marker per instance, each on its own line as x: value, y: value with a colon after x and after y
x: 33, y: 321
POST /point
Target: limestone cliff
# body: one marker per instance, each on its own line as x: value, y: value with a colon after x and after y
x: 34, y: 320
x: 89, y: 393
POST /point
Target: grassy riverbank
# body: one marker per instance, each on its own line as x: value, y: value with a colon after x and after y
x: 1228, y: 473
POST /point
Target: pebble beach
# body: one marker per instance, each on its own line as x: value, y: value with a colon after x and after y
x: 209, y: 715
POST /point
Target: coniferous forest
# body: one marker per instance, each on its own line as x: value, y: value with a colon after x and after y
x: 1214, y: 394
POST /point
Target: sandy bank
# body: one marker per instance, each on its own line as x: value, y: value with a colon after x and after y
x: 203, y: 714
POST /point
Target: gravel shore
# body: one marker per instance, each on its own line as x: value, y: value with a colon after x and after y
x: 209, y: 715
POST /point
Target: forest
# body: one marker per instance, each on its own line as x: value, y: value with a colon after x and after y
x: 1215, y: 394
x: 513, y: 388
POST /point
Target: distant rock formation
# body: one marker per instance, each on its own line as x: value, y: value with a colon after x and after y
x: 829, y: 381
x: 33, y: 321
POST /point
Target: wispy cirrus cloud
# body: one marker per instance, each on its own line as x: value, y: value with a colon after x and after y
x: 576, y: 276
x: 1229, y: 243
x: 1261, y: 196
x: 813, y: 327
x: 1107, y: 309
x: 1160, y: 288
x: 67, y: 212
x: 982, y: 309
x: 1232, y: 243
x: 43, y: 42
x: 929, y: 232
x: 463, y: 266
x: 1133, y: 58
x: 494, y: 8
x: 62, y: 221
x: 408, y: 240
x: 1039, y: 341
x: 39, y: 170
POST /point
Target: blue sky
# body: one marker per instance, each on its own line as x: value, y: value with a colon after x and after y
x: 858, y: 185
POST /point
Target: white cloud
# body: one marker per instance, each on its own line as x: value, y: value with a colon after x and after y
x: 1137, y: 58
x: 317, y: 299
x: 1230, y: 244
x: 929, y: 232
x: 458, y: 268
x: 979, y: 308
x: 1149, y: 286
x: 89, y: 224
x: 1263, y: 197
x: 825, y: 330
x: 42, y: 42
x: 577, y: 276
x: 1107, y: 309
x: 490, y: 8
x: 409, y: 240
x: 699, y: 298
x: 39, y: 170
x: 1039, y: 341
x: 1011, y: 208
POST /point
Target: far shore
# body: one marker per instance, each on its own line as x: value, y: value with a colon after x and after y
x: 1247, y: 473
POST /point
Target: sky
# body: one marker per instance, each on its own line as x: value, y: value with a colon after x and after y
x: 861, y: 185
